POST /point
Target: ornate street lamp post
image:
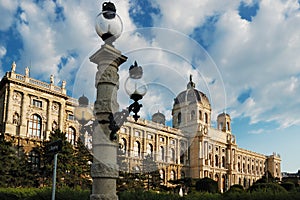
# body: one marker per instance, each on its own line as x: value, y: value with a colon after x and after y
x: 104, y: 169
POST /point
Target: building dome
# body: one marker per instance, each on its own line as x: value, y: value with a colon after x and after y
x: 224, y: 115
x: 159, y: 118
x: 83, y: 101
x: 191, y: 95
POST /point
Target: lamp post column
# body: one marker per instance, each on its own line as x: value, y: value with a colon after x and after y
x: 104, y: 169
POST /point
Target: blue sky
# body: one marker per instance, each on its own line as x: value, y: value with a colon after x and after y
x: 243, y: 54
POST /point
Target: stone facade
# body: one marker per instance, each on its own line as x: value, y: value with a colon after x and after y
x: 192, y: 147
x: 31, y: 109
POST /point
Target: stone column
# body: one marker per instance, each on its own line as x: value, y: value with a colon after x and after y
x: 62, y: 116
x: 23, y: 118
x: 104, y: 169
x: 49, y: 119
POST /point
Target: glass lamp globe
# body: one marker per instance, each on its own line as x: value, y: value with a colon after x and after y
x: 83, y: 113
x: 108, y: 25
x: 135, y: 87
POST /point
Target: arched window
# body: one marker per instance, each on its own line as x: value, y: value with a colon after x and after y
x: 150, y: 150
x: 200, y: 115
x: 182, y: 175
x: 223, y: 161
x: 182, y: 157
x: 228, y: 126
x: 136, y: 149
x: 54, y: 126
x: 16, y: 119
x: 172, y: 154
x: 162, y: 153
x: 35, y: 126
x: 245, y: 182
x: 71, y: 135
x: 224, y: 183
x: 172, y: 175
x: 179, y: 118
x: 217, y: 177
x: 193, y: 115
x: 206, y: 117
x: 162, y: 174
x: 123, y: 146
x: 216, y: 160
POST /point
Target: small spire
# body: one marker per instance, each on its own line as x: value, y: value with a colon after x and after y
x: 13, y: 66
x: 51, y: 79
x: 27, y: 71
x: 191, y: 84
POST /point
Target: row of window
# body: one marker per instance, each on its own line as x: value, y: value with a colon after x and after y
x: 35, y: 129
x: 39, y: 104
x: 193, y: 116
x: 149, y: 136
x: 247, y: 169
x: 149, y: 151
x: 162, y: 173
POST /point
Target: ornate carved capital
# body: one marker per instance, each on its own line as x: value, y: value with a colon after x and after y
x: 107, y: 74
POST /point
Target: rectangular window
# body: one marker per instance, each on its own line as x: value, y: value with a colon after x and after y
x: 150, y: 136
x: 71, y: 117
x: 37, y: 103
x: 173, y: 141
x: 161, y: 139
x: 137, y: 134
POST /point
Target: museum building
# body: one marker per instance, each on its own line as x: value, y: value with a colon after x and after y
x: 31, y: 109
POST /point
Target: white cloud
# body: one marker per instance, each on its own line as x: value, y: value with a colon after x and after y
x: 2, y: 51
x: 261, y: 55
x: 7, y: 10
x: 2, y: 54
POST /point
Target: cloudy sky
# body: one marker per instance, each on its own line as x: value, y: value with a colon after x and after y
x: 243, y: 54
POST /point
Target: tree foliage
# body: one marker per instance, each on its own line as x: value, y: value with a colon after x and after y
x: 15, y: 171
x: 73, y: 163
x: 207, y: 185
x: 150, y: 170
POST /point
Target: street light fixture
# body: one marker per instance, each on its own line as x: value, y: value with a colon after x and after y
x: 104, y: 169
x: 84, y: 114
x: 136, y: 89
x: 109, y: 25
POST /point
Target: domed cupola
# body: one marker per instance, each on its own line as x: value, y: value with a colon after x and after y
x: 83, y: 101
x: 191, y: 107
x: 159, y: 118
x: 191, y: 95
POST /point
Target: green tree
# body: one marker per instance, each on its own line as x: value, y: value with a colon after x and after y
x: 15, y: 170
x: 266, y: 178
x: 151, y: 173
x: 207, y: 185
x: 7, y: 162
x: 66, y: 161
x: 83, y: 165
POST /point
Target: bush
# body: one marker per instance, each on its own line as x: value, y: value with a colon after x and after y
x: 267, y: 187
x: 236, y: 188
x: 207, y: 185
x: 146, y: 195
x: 42, y: 194
x: 289, y: 186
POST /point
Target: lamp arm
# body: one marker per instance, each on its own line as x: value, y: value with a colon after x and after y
x: 117, y: 119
